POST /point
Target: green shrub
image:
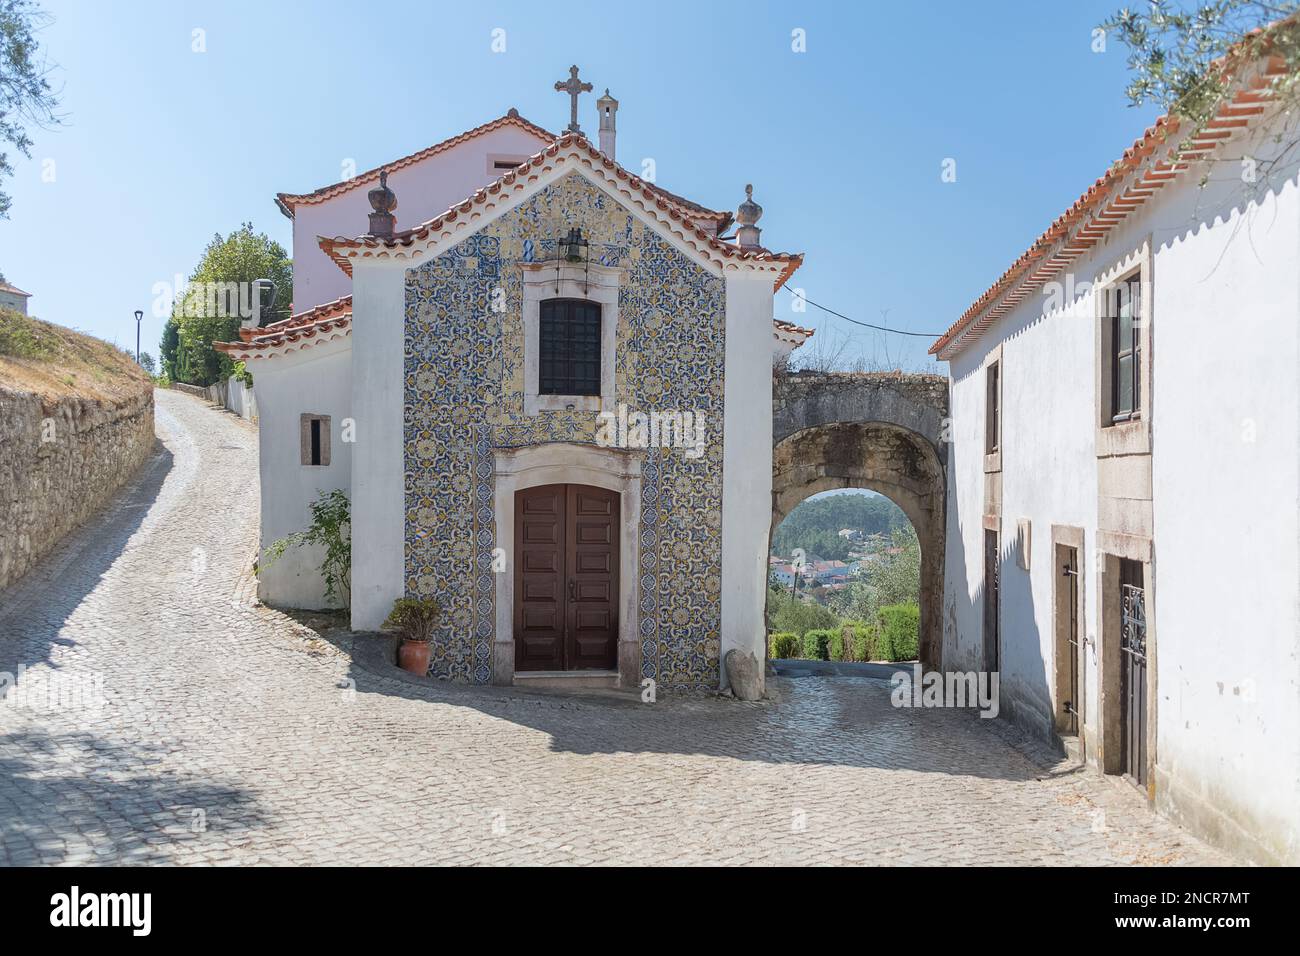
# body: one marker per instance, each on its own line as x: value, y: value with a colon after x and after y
x: 331, y: 528
x: 835, y: 646
x: 866, y: 639
x: 783, y: 645
x: 842, y: 642
x: 24, y: 337
x: 414, y: 618
x: 816, y: 644
x: 799, y: 617
x: 900, y: 626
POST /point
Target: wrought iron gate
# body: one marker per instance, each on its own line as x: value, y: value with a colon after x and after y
x: 1133, y: 669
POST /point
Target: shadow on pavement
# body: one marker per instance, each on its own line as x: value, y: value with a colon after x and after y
x: 34, y: 608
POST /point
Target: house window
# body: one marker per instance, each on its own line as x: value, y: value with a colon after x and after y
x: 1126, y: 351
x: 569, y: 347
x: 314, y: 439
x: 992, y: 410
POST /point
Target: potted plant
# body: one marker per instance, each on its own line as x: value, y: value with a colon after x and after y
x: 414, y: 619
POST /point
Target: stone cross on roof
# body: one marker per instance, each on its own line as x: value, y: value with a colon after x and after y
x: 573, y: 86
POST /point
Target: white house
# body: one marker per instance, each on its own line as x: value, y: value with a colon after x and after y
x: 1122, y: 491
x: 534, y: 387
x: 12, y: 297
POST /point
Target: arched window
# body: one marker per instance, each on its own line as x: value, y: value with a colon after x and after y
x: 569, y: 347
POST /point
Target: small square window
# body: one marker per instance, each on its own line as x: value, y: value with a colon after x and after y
x: 314, y: 439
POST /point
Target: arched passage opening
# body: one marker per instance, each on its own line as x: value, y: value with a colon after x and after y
x: 880, y: 457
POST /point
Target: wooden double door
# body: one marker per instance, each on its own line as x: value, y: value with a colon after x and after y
x: 566, y: 578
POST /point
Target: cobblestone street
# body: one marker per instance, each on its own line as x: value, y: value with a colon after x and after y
x: 231, y: 734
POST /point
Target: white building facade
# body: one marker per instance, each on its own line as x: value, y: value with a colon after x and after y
x: 1123, y: 520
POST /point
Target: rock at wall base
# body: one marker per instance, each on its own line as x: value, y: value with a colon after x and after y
x: 744, y: 675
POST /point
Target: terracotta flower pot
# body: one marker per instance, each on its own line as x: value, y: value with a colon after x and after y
x: 413, y: 656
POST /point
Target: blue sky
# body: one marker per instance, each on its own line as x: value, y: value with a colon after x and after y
x: 844, y: 143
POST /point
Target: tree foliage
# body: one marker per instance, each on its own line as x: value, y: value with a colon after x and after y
x: 202, y: 316
x: 814, y: 525
x: 168, y: 348
x: 894, y: 579
x: 25, y: 95
x: 789, y: 613
x: 1177, y: 50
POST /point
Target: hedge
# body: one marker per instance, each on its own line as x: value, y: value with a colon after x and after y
x: 816, y: 644
x: 866, y: 640
x: 783, y: 645
x: 900, y: 626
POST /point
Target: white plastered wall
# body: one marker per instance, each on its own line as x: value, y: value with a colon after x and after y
x: 746, y: 464
x: 1225, y: 415
x: 424, y: 190
x: 379, y: 494
x: 317, y: 381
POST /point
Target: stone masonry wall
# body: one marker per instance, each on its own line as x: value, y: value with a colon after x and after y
x: 61, y: 460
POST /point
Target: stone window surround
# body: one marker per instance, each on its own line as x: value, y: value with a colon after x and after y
x: 614, y: 469
x: 593, y: 283
x: 1132, y: 437
x: 304, y: 439
x: 993, y: 460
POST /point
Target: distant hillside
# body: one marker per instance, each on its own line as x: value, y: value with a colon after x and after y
x: 56, y: 362
x: 814, y: 525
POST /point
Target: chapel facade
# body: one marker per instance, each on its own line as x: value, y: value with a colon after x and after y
x: 548, y: 398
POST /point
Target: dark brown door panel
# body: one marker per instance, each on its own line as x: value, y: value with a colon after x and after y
x: 566, y: 578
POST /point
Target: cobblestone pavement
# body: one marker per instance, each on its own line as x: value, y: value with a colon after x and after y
x: 231, y: 734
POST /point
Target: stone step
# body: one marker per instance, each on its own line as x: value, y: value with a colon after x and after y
x: 567, y: 680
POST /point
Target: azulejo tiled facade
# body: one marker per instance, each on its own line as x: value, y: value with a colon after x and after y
x: 464, y: 398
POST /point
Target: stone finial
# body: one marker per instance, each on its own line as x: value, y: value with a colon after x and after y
x: 607, y: 107
x: 747, y: 217
x: 383, y: 201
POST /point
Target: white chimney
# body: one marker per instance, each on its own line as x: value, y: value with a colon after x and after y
x: 608, y: 107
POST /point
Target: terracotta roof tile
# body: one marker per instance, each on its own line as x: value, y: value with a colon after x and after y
x: 325, y: 310
x: 1155, y: 158
x: 669, y: 209
x: 290, y: 339
x: 288, y: 201
x: 793, y: 329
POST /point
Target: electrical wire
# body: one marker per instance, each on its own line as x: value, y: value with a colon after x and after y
x: 867, y: 325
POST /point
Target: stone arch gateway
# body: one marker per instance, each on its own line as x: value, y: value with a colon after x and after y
x: 880, y: 431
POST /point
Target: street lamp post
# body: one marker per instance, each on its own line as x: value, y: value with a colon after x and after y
x: 139, y: 314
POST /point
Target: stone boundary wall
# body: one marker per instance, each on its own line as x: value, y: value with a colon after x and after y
x: 61, y: 460
x: 232, y: 395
